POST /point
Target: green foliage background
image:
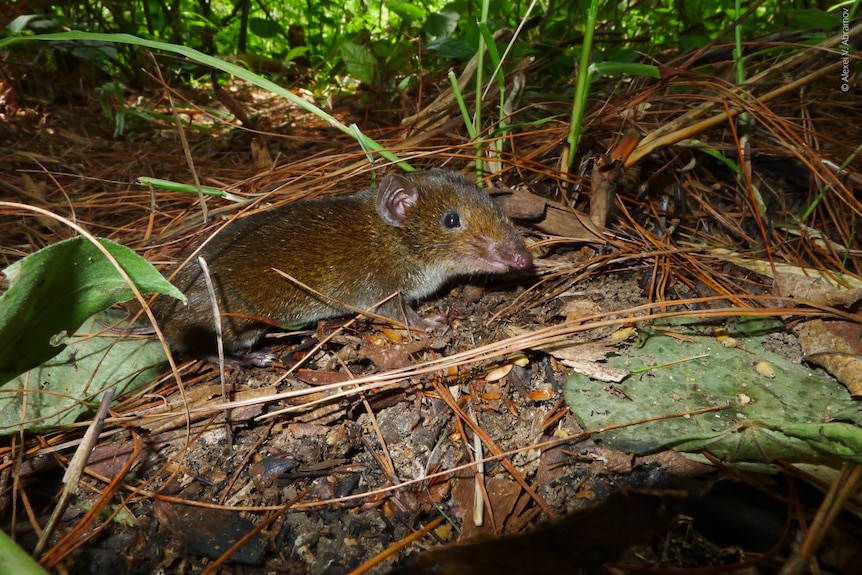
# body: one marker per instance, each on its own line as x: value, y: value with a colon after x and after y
x: 388, y: 43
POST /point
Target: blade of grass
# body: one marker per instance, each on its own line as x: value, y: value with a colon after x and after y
x: 177, y: 187
x: 477, y: 114
x: 218, y: 64
x: 462, y: 105
x: 582, y: 87
x: 501, y: 80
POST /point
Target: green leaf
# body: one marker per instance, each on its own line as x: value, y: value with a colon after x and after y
x: 626, y: 68
x: 441, y: 24
x: 714, y: 153
x: 407, y: 11
x: 360, y: 62
x: 295, y: 53
x: 452, y: 48
x: 54, y: 290
x: 801, y: 415
x: 493, y: 54
x: 265, y: 28
x: 29, y: 22
x: 71, y: 385
x: 15, y: 560
x: 812, y: 18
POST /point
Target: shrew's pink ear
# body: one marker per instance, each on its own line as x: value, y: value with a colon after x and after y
x: 395, y: 196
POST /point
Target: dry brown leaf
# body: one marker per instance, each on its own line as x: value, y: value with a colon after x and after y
x: 578, y: 309
x: 585, y: 358
x: 817, y: 289
x: 834, y: 346
x: 551, y: 217
x: 597, y: 371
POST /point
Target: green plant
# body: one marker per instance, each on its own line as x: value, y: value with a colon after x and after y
x: 54, y: 290
x: 739, y: 412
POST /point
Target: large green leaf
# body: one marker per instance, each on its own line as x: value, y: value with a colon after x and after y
x: 265, y: 28
x: 14, y: 560
x: 71, y: 384
x: 360, y: 62
x: 451, y: 48
x: 441, y: 24
x: 408, y: 11
x: 54, y: 290
x: 801, y: 414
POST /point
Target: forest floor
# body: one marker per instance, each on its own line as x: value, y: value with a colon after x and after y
x: 344, y: 478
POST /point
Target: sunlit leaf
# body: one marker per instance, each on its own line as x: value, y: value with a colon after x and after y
x: 407, y: 11
x: 360, y: 62
x: 441, y: 24
x: 54, y: 290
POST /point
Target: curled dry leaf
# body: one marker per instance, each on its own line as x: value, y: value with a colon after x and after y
x: 577, y: 309
x: 832, y: 346
x: 597, y: 371
x: 552, y: 217
x: 584, y: 358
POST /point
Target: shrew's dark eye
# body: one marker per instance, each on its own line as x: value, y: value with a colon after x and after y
x: 451, y: 220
